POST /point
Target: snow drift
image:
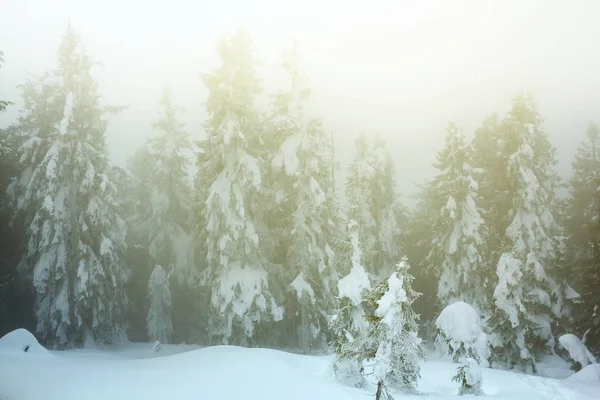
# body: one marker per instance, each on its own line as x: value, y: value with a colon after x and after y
x: 591, y: 373
x: 232, y: 373
x: 21, y: 341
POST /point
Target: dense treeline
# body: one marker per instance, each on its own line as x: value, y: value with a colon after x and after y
x: 255, y: 250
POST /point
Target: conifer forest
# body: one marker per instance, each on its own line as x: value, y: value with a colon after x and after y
x: 245, y: 238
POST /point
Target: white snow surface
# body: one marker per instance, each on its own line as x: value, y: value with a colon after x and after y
x: 20, y: 342
x: 233, y: 373
x: 577, y: 350
x: 591, y: 373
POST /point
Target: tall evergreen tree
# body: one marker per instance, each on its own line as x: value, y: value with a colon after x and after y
x: 458, y: 255
x: 418, y: 244
x: 238, y: 243
x: 526, y: 291
x: 386, y: 210
x: 67, y: 205
x: 583, y: 224
x: 162, y: 223
x: 490, y: 166
x: 370, y: 189
x: 3, y: 103
x: 168, y: 222
x: 303, y: 184
x: 158, y: 321
x: 14, y: 302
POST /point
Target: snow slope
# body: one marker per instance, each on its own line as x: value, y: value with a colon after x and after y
x: 227, y: 372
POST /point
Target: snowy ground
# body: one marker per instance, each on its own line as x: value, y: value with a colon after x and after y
x: 187, y: 372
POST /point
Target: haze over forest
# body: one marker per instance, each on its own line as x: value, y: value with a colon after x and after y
x: 401, y: 70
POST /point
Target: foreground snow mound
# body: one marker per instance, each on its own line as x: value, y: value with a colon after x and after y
x: 591, y: 373
x: 21, y: 341
x: 233, y: 373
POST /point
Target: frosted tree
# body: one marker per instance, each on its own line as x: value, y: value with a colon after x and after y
x: 393, y: 342
x: 238, y: 243
x: 489, y: 161
x: 158, y: 321
x: 460, y: 334
x: 526, y: 292
x: 370, y: 189
x: 579, y: 355
x: 67, y: 204
x: 583, y: 224
x: 3, y: 103
x: 458, y: 254
x: 469, y: 377
x: 386, y: 210
x: 303, y: 184
x: 168, y: 222
x: 349, y: 324
x: 162, y: 223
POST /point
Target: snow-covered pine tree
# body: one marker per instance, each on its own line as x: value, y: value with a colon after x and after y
x: 3, y: 103
x: 469, y: 377
x: 386, y: 210
x: 417, y: 244
x: 370, y: 189
x: 168, y: 223
x: 583, y: 226
x: 458, y: 255
x: 348, y: 324
x: 303, y: 184
x: 158, y: 321
x: 526, y: 292
x: 67, y: 203
x: 392, y: 342
x: 489, y: 161
x: 360, y: 199
x: 238, y: 245
x: 164, y: 218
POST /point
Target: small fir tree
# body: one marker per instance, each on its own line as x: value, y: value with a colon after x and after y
x: 158, y: 321
x: 349, y: 325
x: 469, y: 377
x: 393, y: 343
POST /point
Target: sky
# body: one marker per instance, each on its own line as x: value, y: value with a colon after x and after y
x: 402, y: 69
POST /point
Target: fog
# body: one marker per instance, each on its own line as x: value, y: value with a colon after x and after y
x: 399, y: 69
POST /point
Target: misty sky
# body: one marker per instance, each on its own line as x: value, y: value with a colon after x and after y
x: 402, y: 69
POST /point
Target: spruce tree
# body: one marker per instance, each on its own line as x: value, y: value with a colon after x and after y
x: 237, y: 241
x: 489, y: 161
x: 168, y: 222
x: 349, y: 324
x: 526, y: 291
x: 66, y: 201
x: 458, y: 255
x: 583, y: 226
x: 392, y: 342
x: 303, y: 184
x: 370, y: 189
x: 13, y: 311
x: 386, y: 210
x: 418, y: 244
x: 158, y: 321
x: 3, y: 103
